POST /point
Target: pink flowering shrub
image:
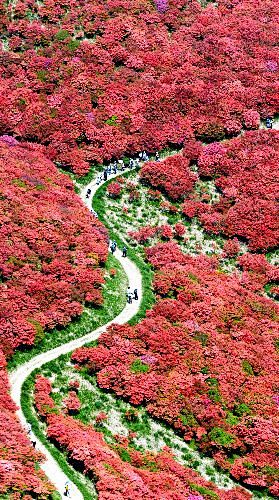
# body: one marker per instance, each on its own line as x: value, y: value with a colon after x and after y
x: 114, y: 189
x: 204, y: 360
x: 51, y: 249
x: 245, y: 171
x: 172, y: 176
x: 119, y: 470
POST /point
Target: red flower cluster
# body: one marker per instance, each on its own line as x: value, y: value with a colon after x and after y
x: 204, y: 360
x: 51, y: 248
x: 119, y: 470
x: 94, y: 80
x: 114, y: 189
x: 173, y: 176
x: 18, y: 460
x: 245, y: 170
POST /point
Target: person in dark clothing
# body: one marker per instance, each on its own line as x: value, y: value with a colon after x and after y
x: 157, y: 157
x: 124, y: 252
x: 105, y: 175
x: 113, y: 247
x: 33, y: 444
x: 136, y: 297
x: 88, y: 193
x: 129, y: 295
x: 269, y: 122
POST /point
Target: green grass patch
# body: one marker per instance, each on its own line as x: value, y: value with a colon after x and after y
x: 136, y: 256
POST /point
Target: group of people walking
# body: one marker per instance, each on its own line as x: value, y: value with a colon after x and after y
x: 131, y: 295
x: 113, y: 247
x: 120, y: 166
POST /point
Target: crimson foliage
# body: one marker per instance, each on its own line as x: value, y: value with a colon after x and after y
x: 209, y: 362
x: 119, y: 470
x: 245, y: 170
x: 173, y: 176
x: 93, y: 80
x: 51, y: 248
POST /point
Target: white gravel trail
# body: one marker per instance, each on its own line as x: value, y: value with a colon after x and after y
x: 20, y: 374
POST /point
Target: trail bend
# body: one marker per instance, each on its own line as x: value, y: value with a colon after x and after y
x: 17, y: 377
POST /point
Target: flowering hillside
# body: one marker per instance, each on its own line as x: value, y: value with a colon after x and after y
x: 51, y: 248
x: 246, y: 172
x: 87, y: 85
x: 119, y: 470
x: 205, y: 360
x: 91, y: 80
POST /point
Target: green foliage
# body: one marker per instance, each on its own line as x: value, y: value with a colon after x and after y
x: 221, y: 437
x: 232, y: 419
x: 73, y: 45
x: 187, y: 418
x: 112, y: 121
x: 42, y: 75
x: 124, y: 454
x: 241, y: 409
x: 39, y: 330
x: 271, y: 471
x: 247, y: 368
x: 62, y: 35
x: 205, y: 370
x: 204, y: 491
x: 139, y: 367
x: 19, y: 183
x: 202, y: 338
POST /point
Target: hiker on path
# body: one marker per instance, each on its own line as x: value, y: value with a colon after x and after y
x: 105, y: 175
x: 67, y: 489
x: 136, y: 297
x: 28, y: 428
x: 157, y: 157
x: 124, y: 252
x: 145, y: 156
x: 129, y: 295
x: 88, y: 193
x: 115, y: 167
x: 113, y: 247
x: 269, y: 122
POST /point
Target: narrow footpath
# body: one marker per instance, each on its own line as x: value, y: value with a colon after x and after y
x: 19, y: 375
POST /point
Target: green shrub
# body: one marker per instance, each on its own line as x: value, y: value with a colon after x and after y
x: 139, y: 367
x: 221, y: 437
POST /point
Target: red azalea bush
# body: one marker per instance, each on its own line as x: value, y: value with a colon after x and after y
x: 245, y: 170
x: 172, y: 175
x: 114, y: 189
x: 152, y: 77
x: 204, y: 360
x: 119, y: 470
x: 18, y: 459
x: 50, y: 251
x: 72, y: 403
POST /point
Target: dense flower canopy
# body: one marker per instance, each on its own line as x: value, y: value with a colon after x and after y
x: 206, y: 360
x: 121, y: 471
x: 91, y: 80
x: 51, y: 248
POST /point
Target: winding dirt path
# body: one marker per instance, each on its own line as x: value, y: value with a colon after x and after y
x: 19, y: 375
